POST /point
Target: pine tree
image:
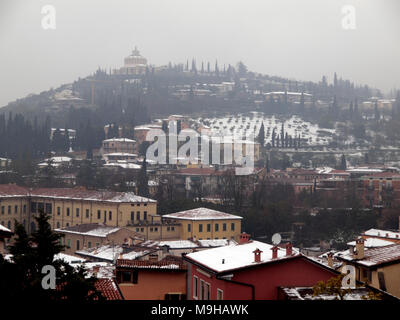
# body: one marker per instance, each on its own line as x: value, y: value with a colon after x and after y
x: 143, y: 181
x: 261, y: 135
x: 21, y: 279
x: 343, y: 164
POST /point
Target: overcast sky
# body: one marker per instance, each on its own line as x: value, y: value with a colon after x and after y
x: 300, y: 39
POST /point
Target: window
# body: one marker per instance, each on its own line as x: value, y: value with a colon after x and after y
x: 87, y: 213
x: 145, y: 204
x: 40, y: 206
x: 172, y: 228
x: 189, y: 227
x: 138, y: 216
x: 137, y: 229
x: 58, y: 211
x: 49, y: 208
x: 89, y: 244
x: 145, y: 215
x: 155, y: 229
x: 138, y: 204
x: 33, y: 207
x: 232, y: 226
x: 224, y: 227
x: 98, y: 214
x: 58, y: 224
x: 151, y: 229
x: 110, y: 215
x: 208, y: 227
x: 216, y: 227
x: 204, y: 290
x: 69, y: 243
x: 207, y: 293
x: 9, y: 224
x: 9, y: 209
x: 67, y: 212
x: 220, y: 294
x: 132, y: 216
x: 24, y: 208
x: 16, y: 209
x: 77, y: 245
x: 128, y: 276
x: 200, y: 228
x: 195, y: 287
x: 141, y: 229
x: 77, y: 212
x: 2, y: 209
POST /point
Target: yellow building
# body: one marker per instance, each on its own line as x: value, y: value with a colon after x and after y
x: 203, y: 223
x: 379, y: 266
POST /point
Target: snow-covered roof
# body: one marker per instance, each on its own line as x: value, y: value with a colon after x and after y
x: 237, y: 256
x: 125, y: 165
x: 372, y: 243
x: 201, y: 214
x: 69, y: 258
x: 373, y: 256
x: 382, y: 233
x: 119, y: 140
x: 120, y: 154
x: 4, y: 229
x: 110, y: 253
x: 306, y: 293
x: 90, y: 229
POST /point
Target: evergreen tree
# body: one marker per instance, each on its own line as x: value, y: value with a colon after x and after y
x: 261, y: 135
x: 21, y: 278
x: 143, y: 181
x: 343, y: 164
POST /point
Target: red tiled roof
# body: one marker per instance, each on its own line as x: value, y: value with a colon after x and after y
x: 146, y: 264
x: 109, y: 289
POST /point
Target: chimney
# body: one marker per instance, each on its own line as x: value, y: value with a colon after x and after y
x: 289, y: 250
x: 274, y: 252
x: 330, y: 259
x: 244, y: 238
x: 257, y: 255
x: 359, y: 250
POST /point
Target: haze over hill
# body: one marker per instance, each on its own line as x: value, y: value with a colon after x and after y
x: 272, y: 37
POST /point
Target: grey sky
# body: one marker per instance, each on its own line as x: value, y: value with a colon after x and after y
x: 301, y: 39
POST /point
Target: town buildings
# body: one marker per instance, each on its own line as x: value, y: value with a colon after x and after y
x: 204, y: 223
x: 250, y: 270
x: 73, y: 206
x: 379, y: 266
x: 90, y: 235
x: 152, y: 280
x: 118, y: 145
